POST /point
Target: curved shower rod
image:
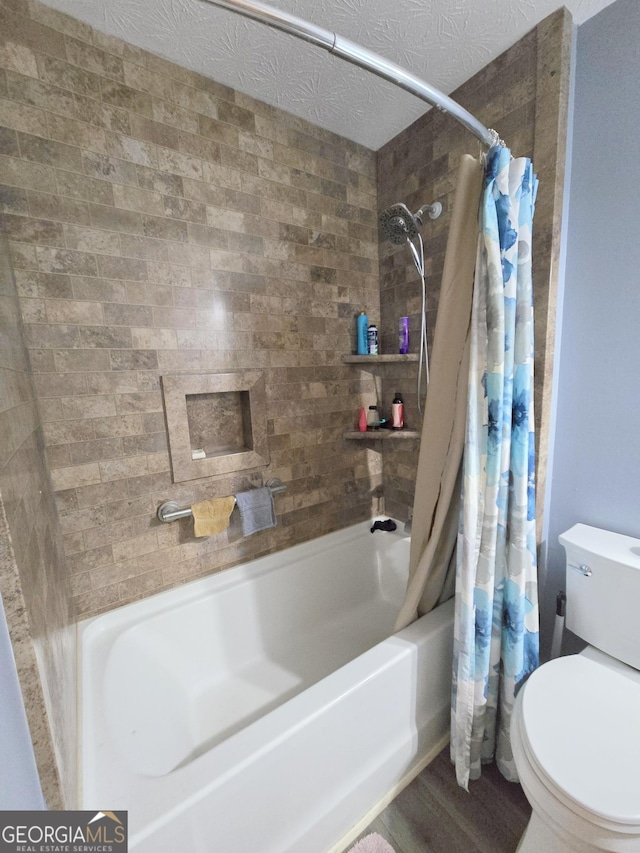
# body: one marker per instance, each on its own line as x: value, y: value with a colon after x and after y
x: 361, y: 56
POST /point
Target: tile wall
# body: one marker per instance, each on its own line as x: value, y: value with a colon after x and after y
x: 160, y: 222
x: 34, y: 587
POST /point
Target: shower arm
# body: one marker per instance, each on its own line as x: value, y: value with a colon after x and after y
x: 361, y: 56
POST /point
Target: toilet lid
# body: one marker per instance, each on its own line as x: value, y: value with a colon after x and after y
x: 581, y: 721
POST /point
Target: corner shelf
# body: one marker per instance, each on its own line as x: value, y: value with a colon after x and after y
x: 380, y: 359
x: 382, y: 434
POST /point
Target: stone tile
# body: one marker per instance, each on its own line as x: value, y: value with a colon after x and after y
x: 128, y: 315
x: 98, y: 289
x: 66, y: 261
x: 100, y: 494
x: 154, y: 132
x: 177, y: 163
x: 67, y: 432
x: 158, y: 339
x: 46, y: 336
x: 136, y: 547
x: 19, y: 173
x: 130, y: 269
x: 101, y: 115
x: 73, y: 312
x: 35, y: 93
x: 180, y: 208
x: 142, y: 293
x: 74, y: 476
x: 111, y: 218
x: 50, y: 206
x: 164, y: 112
x: 88, y: 407
x: 92, y: 240
x: 18, y: 58
x: 133, y: 359
x: 58, y: 21
x: 204, y: 235
x: 83, y: 187
x: 119, y: 95
x: 133, y: 150
x: 142, y: 402
x: 122, y: 469
x: 94, y: 59
x: 199, y: 147
x: 108, y: 168
x: 77, y: 133
x: 134, y: 198
x: 22, y: 30
x: 21, y: 117
x: 29, y: 230
x: 160, y: 182
x: 49, y: 152
x: 119, y: 426
x: 220, y: 132
x: 81, y: 361
x: 113, y: 382
x: 196, y: 100
x: 68, y: 77
x: 104, y: 336
x: 91, y: 559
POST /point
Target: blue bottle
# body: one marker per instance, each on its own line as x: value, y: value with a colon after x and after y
x: 362, y: 325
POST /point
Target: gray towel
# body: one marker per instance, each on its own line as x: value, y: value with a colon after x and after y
x: 256, y: 510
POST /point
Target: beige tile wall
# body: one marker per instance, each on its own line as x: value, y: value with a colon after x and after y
x: 34, y: 587
x: 161, y: 222
x: 523, y: 94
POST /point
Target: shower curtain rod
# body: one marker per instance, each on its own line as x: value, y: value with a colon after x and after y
x: 361, y: 56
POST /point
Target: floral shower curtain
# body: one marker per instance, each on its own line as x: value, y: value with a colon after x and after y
x: 496, y: 610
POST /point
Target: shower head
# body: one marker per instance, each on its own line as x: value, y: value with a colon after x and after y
x: 399, y: 224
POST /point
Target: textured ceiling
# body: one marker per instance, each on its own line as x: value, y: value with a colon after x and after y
x: 443, y: 41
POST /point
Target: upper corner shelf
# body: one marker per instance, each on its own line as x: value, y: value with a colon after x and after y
x: 393, y: 358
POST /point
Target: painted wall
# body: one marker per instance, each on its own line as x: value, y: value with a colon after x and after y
x: 596, y: 467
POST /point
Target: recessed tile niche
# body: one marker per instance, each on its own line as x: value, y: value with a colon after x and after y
x: 222, y: 414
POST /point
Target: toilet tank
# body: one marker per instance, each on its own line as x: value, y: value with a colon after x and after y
x: 603, y: 590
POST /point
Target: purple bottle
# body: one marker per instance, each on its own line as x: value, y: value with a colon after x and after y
x: 403, y: 335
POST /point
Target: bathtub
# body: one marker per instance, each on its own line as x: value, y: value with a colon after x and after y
x: 266, y: 708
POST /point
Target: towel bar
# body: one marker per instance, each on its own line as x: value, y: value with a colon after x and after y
x: 171, y: 511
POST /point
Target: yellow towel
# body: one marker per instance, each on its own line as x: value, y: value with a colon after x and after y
x: 211, y: 517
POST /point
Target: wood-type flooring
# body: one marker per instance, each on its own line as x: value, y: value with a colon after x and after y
x: 434, y: 815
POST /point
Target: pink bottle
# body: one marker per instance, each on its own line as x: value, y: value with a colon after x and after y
x: 397, y: 412
x: 362, y: 420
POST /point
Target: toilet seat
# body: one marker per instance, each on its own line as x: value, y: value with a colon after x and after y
x: 580, y: 722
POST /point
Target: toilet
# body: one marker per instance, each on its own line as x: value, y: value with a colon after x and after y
x: 575, y: 729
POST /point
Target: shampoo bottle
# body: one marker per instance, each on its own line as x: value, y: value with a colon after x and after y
x: 403, y: 335
x: 362, y: 420
x: 362, y: 326
x: 397, y: 412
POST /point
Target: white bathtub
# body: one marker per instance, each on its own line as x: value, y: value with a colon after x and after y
x: 265, y: 708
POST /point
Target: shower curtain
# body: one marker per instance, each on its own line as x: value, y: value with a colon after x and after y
x: 496, y: 610
x: 437, y: 494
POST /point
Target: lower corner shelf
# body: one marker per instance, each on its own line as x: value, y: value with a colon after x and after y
x: 383, y: 434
